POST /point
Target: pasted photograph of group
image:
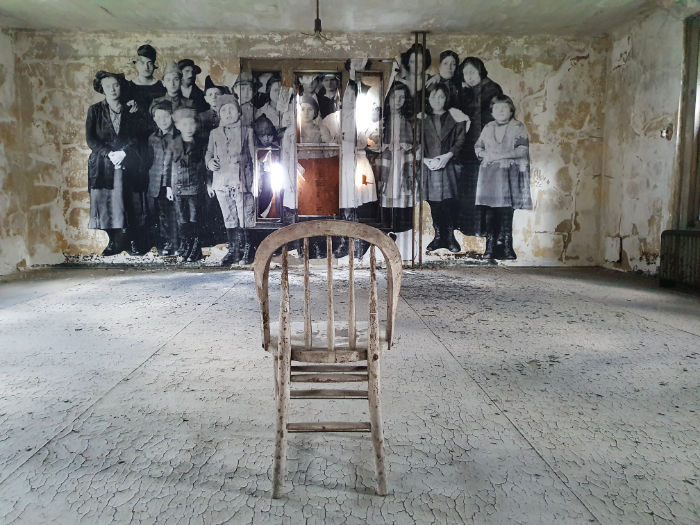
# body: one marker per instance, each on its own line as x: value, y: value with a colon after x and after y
x: 174, y: 168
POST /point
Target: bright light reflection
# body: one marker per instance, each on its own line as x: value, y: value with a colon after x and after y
x: 276, y: 176
x: 364, y: 111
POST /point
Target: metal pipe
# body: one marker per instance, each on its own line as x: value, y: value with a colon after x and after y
x: 414, y: 124
x: 422, y: 167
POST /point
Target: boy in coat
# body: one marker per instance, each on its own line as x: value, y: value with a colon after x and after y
x: 187, y: 181
x: 229, y: 158
x: 161, y: 206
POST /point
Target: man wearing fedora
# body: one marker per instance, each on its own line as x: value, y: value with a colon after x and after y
x: 188, y: 86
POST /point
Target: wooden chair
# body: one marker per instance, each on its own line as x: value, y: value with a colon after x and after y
x: 340, y: 343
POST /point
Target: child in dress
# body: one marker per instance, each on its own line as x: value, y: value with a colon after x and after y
x: 504, y: 176
x: 229, y: 158
x: 187, y: 181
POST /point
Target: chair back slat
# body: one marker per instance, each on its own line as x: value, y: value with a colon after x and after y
x: 330, y: 331
x: 351, y: 301
x: 307, y: 297
x: 373, y: 316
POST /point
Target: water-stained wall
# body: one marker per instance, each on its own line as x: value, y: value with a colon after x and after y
x: 13, y: 217
x: 641, y: 139
x: 557, y: 85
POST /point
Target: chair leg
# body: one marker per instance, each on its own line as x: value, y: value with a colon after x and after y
x: 375, y: 417
x: 280, y: 464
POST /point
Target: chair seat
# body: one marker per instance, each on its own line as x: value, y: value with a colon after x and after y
x: 319, y: 352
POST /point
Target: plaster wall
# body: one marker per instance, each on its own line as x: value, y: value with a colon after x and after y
x: 556, y: 83
x: 13, y: 217
x: 640, y: 165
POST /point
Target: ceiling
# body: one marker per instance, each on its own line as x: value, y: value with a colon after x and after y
x: 515, y: 17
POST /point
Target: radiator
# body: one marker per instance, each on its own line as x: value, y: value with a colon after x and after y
x: 680, y: 258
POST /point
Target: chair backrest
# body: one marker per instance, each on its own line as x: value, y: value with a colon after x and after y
x: 329, y: 229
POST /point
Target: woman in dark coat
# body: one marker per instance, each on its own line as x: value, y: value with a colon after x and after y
x: 447, y: 74
x: 114, y: 166
x: 443, y: 140
x: 475, y: 100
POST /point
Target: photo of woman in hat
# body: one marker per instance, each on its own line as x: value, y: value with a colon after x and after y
x: 117, y: 193
x: 312, y: 128
x: 188, y: 85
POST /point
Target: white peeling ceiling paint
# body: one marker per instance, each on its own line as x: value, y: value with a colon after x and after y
x: 515, y: 17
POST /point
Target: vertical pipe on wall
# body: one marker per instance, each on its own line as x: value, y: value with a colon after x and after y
x: 422, y: 137
x: 413, y: 164
x: 418, y: 108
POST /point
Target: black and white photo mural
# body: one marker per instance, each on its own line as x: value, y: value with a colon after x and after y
x: 175, y: 167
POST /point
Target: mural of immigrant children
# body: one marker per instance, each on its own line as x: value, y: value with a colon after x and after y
x: 244, y: 90
x: 504, y: 176
x: 267, y: 155
x: 475, y: 98
x: 144, y: 88
x: 188, y: 87
x: 187, y: 181
x: 172, y: 76
x: 114, y: 164
x: 229, y: 158
x: 273, y: 107
x: 444, y: 138
x: 159, y: 190
x: 395, y: 161
x: 449, y: 60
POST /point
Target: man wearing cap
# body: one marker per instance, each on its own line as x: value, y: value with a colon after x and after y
x: 209, y: 119
x: 244, y: 90
x: 144, y: 88
x: 188, y: 86
x: 171, y: 80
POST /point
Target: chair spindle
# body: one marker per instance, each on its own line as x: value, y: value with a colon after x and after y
x: 331, y: 310
x: 307, y: 297
x: 373, y: 384
x: 282, y: 372
x: 351, y: 306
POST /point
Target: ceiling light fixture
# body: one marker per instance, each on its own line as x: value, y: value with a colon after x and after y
x: 318, y: 36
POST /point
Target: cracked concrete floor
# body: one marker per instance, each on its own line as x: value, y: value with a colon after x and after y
x: 511, y: 396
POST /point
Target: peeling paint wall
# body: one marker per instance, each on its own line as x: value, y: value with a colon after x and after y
x: 642, y: 99
x: 555, y: 82
x: 13, y: 220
